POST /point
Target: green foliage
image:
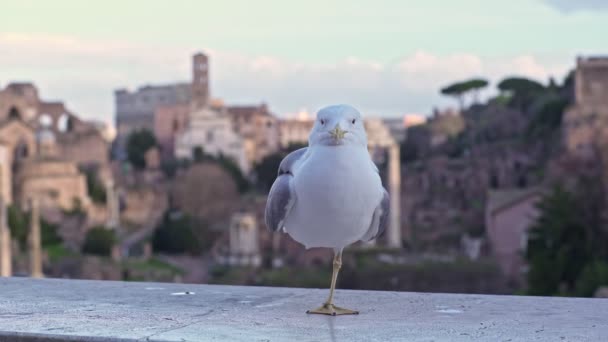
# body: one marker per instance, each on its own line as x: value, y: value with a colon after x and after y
x: 500, y: 100
x: 48, y: 234
x: 523, y: 91
x: 294, y: 146
x: 99, y: 241
x: 199, y: 155
x: 477, y: 230
x: 233, y: 169
x: 458, y: 89
x: 176, y: 235
x: 57, y: 252
x: 593, y: 276
x: 266, y: 170
x: 409, y: 151
x: 19, y: 224
x: 456, y: 146
x: 547, y: 119
x: 520, y: 85
x: 137, y: 144
x: 97, y: 191
x: 454, y: 89
x: 152, y: 264
x: 569, y: 80
x: 228, y: 164
x: 557, y: 245
x: 476, y: 83
x: 300, y: 277
x: 169, y: 168
x: 149, y: 270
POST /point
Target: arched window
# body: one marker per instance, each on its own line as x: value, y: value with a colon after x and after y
x: 45, y: 120
x: 65, y: 123
x: 20, y: 152
x: 13, y: 113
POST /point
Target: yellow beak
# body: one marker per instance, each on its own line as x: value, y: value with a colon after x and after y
x: 337, y: 133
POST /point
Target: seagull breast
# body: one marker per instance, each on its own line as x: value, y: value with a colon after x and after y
x: 337, y: 190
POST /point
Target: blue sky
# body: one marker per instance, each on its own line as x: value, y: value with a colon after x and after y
x: 385, y: 57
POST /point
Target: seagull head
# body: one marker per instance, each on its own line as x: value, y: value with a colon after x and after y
x: 338, y: 125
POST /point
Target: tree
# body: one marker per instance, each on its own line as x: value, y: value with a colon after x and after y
x: 523, y: 91
x: 558, y: 244
x: 175, y: 235
x: 593, y: 276
x: 138, y: 143
x: 97, y: 191
x: 476, y: 85
x: 459, y: 89
x: 234, y: 170
x: 266, y: 171
x: 207, y: 193
x: 19, y: 224
x: 99, y: 241
x: 409, y: 151
x: 547, y: 118
x: 199, y: 155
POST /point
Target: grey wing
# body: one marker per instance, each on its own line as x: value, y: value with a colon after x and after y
x: 288, y: 163
x: 379, y: 219
x: 279, y: 202
x: 282, y: 197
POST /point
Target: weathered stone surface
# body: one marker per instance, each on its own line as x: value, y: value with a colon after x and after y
x: 71, y: 310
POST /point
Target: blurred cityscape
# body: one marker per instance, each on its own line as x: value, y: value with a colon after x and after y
x: 502, y: 195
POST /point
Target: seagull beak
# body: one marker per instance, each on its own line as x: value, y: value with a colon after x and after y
x: 337, y: 133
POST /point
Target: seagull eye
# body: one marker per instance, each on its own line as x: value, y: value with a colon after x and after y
x: 322, y: 122
x: 353, y: 121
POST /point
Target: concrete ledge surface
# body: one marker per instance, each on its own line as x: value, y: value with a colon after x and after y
x: 79, y: 310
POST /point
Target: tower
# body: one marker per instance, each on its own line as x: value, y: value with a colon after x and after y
x: 200, y: 80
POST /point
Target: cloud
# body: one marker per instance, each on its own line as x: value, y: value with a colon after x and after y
x: 84, y: 74
x: 569, y: 6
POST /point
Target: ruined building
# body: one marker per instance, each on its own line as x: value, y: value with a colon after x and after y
x: 586, y: 123
x: 41, y: 140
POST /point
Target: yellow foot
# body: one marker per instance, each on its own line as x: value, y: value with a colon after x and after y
x: 332, y: 310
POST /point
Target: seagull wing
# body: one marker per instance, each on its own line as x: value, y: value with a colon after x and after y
x: 379, y: 219
x: 282, y: 197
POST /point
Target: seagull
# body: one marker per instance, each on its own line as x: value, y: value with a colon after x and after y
x: 330, y: 194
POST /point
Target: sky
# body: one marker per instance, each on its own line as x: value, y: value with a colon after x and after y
x: 386, y: 57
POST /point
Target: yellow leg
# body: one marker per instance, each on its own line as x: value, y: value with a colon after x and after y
x: 328, y: 308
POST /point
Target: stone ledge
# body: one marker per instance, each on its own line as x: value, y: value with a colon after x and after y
x: 79, y: 310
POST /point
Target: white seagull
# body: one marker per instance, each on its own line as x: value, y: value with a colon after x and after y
x: 329, y: 194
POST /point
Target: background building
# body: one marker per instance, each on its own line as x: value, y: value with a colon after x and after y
x: 258, y: 128
x: 294, y: 131
x: 139, y: 109
x: 586, y: 122
x: 211, y: 130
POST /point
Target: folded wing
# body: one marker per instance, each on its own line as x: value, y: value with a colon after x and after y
x: 380, y: 218
x: 282, y: 197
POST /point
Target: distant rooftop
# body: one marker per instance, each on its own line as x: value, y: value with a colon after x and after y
x: 76, y: 310
x: 593, y: 59
x: 499, y: 199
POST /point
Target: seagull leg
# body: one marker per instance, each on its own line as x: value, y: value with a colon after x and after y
x: 328, y: 307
